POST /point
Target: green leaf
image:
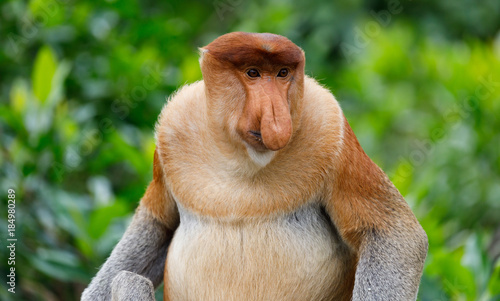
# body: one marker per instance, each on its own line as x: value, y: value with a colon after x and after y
x: 43, y: 72
x: 403, y: 176
x: 102, y: 217
x: 476, y: 260
x: 18, y: 95
x: 494, y: 284
x: 60, y: 264
x: 50, y: 12
x: 56, y: 93
x: 191, y: 69
x: 456, y: 279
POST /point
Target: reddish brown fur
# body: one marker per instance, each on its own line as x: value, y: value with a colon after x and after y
x: 363, y: 198
x: 157, y: 198
x: 245, y: 50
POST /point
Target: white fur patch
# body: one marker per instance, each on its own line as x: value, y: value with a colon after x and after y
x: 260, y: 158
x: 295, y: 256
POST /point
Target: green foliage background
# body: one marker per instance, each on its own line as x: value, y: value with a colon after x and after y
x: 82, y: 84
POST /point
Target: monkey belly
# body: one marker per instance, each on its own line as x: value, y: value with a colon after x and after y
x: 292, y: 257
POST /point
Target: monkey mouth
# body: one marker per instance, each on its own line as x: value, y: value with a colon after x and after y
x: 256, y: 135
x: 254, y: 139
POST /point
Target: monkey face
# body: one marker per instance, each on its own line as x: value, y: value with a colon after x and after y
x: 264, y: 77
x: 266, y: 123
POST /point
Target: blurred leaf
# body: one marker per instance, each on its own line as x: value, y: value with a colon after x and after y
x: 11, y: 118
x: 456, y: 279
x: 132, y: 155
x: 403, y: 176
x: 476, y: 259
x: 18, y: 95
x: 59, y: 264
x: 49, y: 12
x: 494, y: 283
x: 43, y: 72
x: 56, y: 93
x: 101, y: 218
x: 190, y: 68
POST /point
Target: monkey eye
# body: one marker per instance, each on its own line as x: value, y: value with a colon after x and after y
x: 283, y: 72
x: 253, y: 73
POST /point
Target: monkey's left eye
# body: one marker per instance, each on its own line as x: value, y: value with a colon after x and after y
x: 283, y: 72
x: 253, y: 73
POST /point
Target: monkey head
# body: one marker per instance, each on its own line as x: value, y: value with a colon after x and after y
x: 254, y: 84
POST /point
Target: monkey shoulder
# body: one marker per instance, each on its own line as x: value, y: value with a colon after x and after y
x: 182, y: 122
x: 323, y: 118
x: 184, y: 110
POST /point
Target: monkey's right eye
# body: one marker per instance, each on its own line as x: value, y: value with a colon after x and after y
x: 253, y: 73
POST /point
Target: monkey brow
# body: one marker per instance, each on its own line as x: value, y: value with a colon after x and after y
x: 241, y: 57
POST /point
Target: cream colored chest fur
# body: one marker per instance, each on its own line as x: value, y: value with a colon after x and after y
x: 257, y: 235
x: 292, y: 257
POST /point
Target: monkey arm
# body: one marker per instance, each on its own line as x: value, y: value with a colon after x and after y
x: 390, y: 264
x: 390, y: 255
x: 377, y: 224
x: 130, y: 286
x: 143, y: 248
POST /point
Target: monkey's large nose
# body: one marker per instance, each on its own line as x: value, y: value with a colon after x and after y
x: 267, y: 122
x: 276, y: 131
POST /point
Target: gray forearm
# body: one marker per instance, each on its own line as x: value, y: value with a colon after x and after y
x: 390, y: 267
x: 142, y: 250
x: 128, y: 286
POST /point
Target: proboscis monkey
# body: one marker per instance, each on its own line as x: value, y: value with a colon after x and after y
x: 261, y: 191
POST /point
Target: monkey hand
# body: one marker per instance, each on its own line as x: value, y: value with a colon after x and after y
x: 128, y: 286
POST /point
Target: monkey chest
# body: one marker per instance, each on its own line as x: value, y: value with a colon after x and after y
x: 292, y: 257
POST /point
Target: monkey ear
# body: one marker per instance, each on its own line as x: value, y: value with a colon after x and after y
x: 202, y: 52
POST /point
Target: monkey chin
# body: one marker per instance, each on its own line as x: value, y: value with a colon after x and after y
x: 260, y: 158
